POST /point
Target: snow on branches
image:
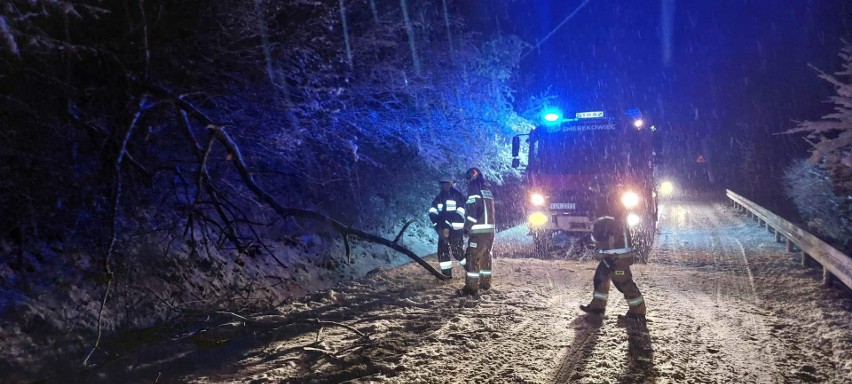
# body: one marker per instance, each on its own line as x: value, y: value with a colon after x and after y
x: 831, y: 137
x: 828, y: 176
x: 362, y: 144
x: 809, y: 188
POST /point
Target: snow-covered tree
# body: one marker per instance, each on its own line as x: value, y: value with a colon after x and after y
x: 831, y: 140
x: 810, y: 189
x: 111, y: 144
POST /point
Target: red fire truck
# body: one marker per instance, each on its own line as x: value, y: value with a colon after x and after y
x: 586, y: 166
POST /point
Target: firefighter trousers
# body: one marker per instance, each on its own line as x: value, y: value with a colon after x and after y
x: 478, y: 265
x: 450, y: 242
x: 616, y: 268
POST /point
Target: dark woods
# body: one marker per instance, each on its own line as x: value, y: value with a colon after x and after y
x: 161, y: 157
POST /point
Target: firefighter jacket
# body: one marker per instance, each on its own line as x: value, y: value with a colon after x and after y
x: 480, y: 209
x: 447, y: 211
x: 611, y: 238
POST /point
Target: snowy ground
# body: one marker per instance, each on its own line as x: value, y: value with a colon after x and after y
x: 726, y: 304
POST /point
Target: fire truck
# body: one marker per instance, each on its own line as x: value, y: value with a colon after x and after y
x: 584, y: 167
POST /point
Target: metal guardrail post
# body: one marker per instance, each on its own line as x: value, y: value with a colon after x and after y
x: 827, y: 277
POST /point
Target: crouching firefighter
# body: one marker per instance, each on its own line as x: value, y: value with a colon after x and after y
x: 447, y: 215
x: 614, y: 250
x: 479, y: 226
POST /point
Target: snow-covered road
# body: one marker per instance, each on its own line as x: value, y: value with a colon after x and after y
x: 725, y: 304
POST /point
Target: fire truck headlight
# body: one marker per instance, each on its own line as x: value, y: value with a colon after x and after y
x: 638, y: 123
x: 537, y: 199
x: 666, y: 188
x: 630, y: 199
x: 633, y: 219
x: 537, y: 219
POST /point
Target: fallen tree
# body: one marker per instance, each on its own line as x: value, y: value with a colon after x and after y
x: 217, y: 132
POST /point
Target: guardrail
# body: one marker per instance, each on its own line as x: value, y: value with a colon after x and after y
x: 835, y: 264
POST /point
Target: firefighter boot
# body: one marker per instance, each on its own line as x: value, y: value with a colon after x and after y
x: 635, y: 304
x: 598, y: 304
x: 471, y: 284
x: 592, y: 310
x: 484, y: 280
x: 601, y: 283
x: 630, y: 319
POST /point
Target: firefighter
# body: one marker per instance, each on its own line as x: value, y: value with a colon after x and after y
x: 479, y: 226
x: 447, y: 215
x: 613, y: 248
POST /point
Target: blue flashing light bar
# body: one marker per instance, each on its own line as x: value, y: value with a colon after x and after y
x: 552, y: 116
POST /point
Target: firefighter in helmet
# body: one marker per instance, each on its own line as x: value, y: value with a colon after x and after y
x: 447, y: 215
x: 613, y: 248
x: 480, y: 228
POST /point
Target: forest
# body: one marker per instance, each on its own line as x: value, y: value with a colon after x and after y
x: 165, y: 158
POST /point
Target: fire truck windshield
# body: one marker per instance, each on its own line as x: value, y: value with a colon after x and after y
x: 586, y: 151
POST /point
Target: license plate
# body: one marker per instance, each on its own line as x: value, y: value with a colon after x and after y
x: 563, y: 206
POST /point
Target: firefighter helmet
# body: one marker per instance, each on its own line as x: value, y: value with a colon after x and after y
x: 473, y: 174
x: 446, y: 179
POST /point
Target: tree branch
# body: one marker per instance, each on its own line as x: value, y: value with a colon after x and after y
x: 218, y: 130
x: 115, y: 212
x: 248, y: 179
x: 402, y: 231
x: 204, y: 175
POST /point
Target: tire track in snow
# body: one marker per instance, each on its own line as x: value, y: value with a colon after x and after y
x: 701, y: 335
x: 704, y: 287
x: 575, y: 356
x: 748, y: 269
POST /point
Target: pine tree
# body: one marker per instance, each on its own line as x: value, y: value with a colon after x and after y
x: 831, y: 137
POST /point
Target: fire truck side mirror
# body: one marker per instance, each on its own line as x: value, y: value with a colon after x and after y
x: 516, y: 163
x: 516, y: 147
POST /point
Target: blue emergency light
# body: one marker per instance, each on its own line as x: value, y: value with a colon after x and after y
x: 552, y: 116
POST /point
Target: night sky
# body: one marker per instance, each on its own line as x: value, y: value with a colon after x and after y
x: 733, y: 64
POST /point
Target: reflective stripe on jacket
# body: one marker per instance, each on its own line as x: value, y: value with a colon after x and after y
x: 480, y: 210
x: 448, y: 211
x: 611, y: 237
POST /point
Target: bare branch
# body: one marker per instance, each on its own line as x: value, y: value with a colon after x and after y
x: 218, y: 130
x: 248, y: 179
x: 115, y: 212
x: 402, y: 231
